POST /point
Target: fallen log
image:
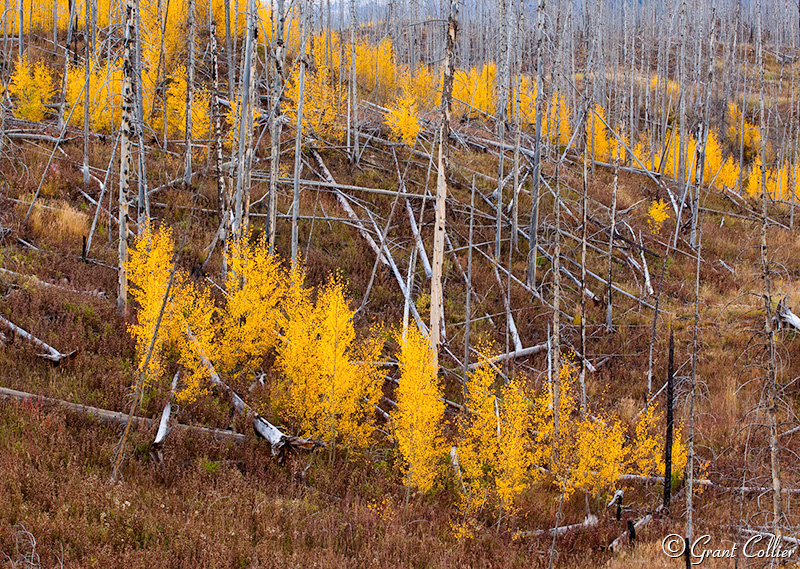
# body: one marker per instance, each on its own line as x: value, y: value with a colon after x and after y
x: 279, y: 441
x: 36, y: 280
x: 114, y: 417
x: 52, y: 354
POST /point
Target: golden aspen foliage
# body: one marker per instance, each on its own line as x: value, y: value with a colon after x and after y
x: 105, y: 95
x: 527, y: 100
x: 194, y: 305
x: 590, y: 452
x: 597, y: 134
x: 420, y: 410
x: 594, y: 456
x: 403, y: 120
x: 657, y: 214
x: 746, y: 136
x: 647, y: 455
x: 149, y: 267
x: 477, y: 432
x: 324, y: 103
x: 557, y: 127
x: 32, y: 87
x: 422, y: 86
x: 330, y: 381
x: 474, y: 92
x: 514, y: 456
x: 375, y: 68
x: 724, y: 173
x: 255, y: 287
x: 176, y: 107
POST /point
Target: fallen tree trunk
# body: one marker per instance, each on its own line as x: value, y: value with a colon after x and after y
x: 114, y: 417
x: 263, y: 428
x: 52, y: 354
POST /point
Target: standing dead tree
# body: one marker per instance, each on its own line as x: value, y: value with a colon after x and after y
x: 441, y: 180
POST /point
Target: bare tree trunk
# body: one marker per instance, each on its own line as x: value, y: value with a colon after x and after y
x: 187, y: 164
x: 584, y: 204
x: 229, y: 51
x: 86, y: 87
x: 298, y: 143
x: 468, y: 308
x: 533, y: 235
x: 353, y: 86
x: 670, y: 423
x: 441, y: 181
x: 772, y: 373
x: 276, y: 124
x: 517, y: 128
x: 239, y: 228
x: 503, y: 52
x: 126, y: 133
x: 609, y: 298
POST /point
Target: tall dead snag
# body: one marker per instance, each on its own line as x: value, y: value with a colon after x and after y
x: 609, y: 298
x: 276, y: 123
x: 223, y: 200
x: 187, y: 164
x: 126, y: 133
x: 441, y: 181
x: 353, y: 107
x: 240, y: 202
x: 298, y: 141
x: 503, y: 53
x: 533, y: 234
x: 772, y: 372
x: 670, y: 423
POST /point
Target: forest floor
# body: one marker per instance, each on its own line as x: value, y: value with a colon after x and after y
x: 226, y: 504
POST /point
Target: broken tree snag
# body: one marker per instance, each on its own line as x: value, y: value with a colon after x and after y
x: 785, y: 316
x: 279, y: 441
x: 156, y: 447
x: 52, y: 354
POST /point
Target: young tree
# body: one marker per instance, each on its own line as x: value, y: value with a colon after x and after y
x: 420, y: 410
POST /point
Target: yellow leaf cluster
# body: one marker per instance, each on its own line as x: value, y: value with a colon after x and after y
x: 324, y: 102
x: 598, y: 135
x: 105, y: 95
x: 403, y: 120
x: 176, y: 106
x: 330, y: 383
x: 474, y: 92
x: 494, y: 447
x: 748, y: 134
x: 420, y: 410
x: 590, y: 452
x: 375, y: 68
x: 777, y: 180
x: 657, y: 215
x: 32, y: 87
x: 255, y: 286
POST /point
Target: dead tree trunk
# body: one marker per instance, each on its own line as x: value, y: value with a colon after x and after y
x: 126, y: 133
x: 187, y: 163
x: 670, y: 424
x: 441, y: 181
x: 533, y: 234
x: 276, y: 125
x: 298, y: 141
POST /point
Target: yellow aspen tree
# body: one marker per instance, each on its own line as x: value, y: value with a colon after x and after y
x: 194, y: 305
x: 403, y: 119
x: 330, y: 383
x: 598, y: 134
x: 647, y: 454
x: 478, y: 432
x: 32, y: 87
x: 149, y: 267
x: 514, y: 456
x: 375, y: 68
x: 176, y: 106
x: 324, y: 103
x: 420, y: 409
x: 657, y: 215
x: 255, y: 286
